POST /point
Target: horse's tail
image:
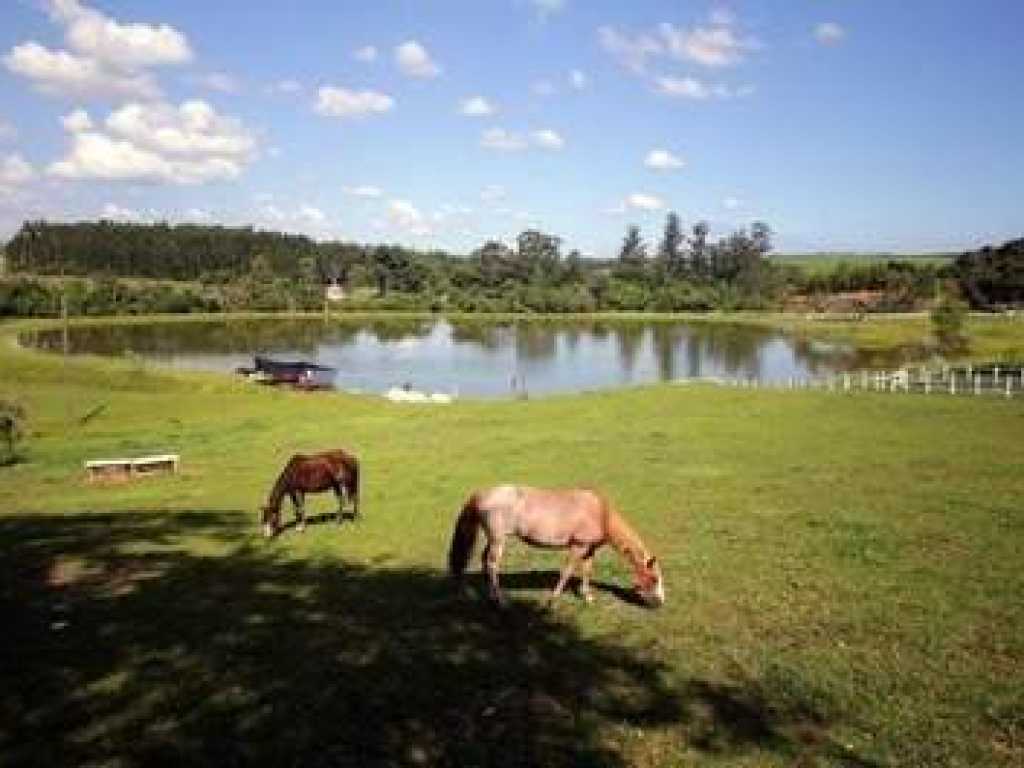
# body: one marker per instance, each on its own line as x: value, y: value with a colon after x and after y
x: 464, y: 537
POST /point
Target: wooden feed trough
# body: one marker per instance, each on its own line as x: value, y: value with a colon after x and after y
x: 126, y: 469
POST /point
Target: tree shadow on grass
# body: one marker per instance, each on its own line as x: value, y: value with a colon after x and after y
x: 125, y: 644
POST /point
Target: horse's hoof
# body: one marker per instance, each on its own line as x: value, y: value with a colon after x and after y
x: 268, y: 531
x: 587, y: 598
x: 301, y: 527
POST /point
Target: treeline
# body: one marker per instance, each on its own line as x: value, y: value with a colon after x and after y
x: 992, y: 277
x: 230, y: 269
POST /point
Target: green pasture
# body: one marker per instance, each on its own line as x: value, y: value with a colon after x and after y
x: 826, y: 263
x: 844, y: 578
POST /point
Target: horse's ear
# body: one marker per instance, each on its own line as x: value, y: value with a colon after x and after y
x: 652, y: 561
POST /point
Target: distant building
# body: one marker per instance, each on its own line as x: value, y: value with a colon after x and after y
x: 335, y: 292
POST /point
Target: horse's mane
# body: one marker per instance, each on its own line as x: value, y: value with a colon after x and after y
x: 621, y: 535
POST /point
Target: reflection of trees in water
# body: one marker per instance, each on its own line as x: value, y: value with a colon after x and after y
x: 629, y: 338
x: 734, y: 349
x: 535, y: 342
x: 399, y: 329
x: 490, y: 336
x: 235, y: 336
x: 667, y: 339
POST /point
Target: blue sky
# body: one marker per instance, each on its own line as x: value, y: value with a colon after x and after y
x: 845, y: 124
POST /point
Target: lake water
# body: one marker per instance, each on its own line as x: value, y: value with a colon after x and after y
x: 476, y: 359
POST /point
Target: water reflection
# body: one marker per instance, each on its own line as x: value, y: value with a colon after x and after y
x: 472, y: 358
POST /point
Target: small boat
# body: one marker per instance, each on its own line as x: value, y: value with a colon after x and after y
x: 299, y: 373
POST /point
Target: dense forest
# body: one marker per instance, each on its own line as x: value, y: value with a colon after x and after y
x: 212, y: 268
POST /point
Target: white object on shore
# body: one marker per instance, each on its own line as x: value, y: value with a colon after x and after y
x: 400, y: 395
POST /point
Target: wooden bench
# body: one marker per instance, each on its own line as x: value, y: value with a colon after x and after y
x: 125, y: 469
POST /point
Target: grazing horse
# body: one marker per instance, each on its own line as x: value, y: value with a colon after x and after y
x: 336, y: 471
x: 579, y: 520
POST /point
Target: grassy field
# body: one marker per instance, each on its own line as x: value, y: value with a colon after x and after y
x: 843, y: 574
x: 826, y: 263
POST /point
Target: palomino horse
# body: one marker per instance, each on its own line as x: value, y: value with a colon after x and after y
x: 336, y: 471
x: 579, y: 520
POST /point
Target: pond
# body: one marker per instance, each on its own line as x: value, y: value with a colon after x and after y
x: 471, y: 358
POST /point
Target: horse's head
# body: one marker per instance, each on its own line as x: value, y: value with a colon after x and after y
x: 649, y: 584
x: 268, y: 517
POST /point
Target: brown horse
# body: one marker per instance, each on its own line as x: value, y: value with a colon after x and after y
x: 579, y: 520
x: 336, y: 471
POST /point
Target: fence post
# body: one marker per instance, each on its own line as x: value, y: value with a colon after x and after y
x: 977, y: 384
x: 846, y: 381
x: 952, y: 382
x: 1008, y: 383
x: 927, y: 382
x: 995, y: 375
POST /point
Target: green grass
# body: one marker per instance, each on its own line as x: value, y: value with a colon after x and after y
x: 826, y: 263
x: 843, y: 573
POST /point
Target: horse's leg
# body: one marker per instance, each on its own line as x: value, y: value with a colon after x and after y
x: 491, y: 562
x: 586, y: 568
x: 298, y: 499
x: 339, y: 494
x: 576, y: 554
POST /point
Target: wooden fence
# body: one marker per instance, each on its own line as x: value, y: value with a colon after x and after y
x: 987, y: 380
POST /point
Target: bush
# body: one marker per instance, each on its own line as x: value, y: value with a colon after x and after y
x: 12, y: 418
x: 948, y: 319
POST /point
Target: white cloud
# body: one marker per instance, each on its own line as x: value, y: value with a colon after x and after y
x: 632, y: 51
x: 578, y: 80
x: 829, y: 33
x: 406, y: 216
x: 544, y: 88
x: 548, y: 139
x: 663, y: 160
x: 198, y: 214
x: 732, y: 203
x: 130, y: 45
x: 477, y: 106
x: 107, y: 57
x: 159, y: 143
x: 77, y: 121
x: 644, y: 202
x: 502, y: 140
x: 14, y: 172
x: 683, y: 87
x: 114, y: 212
x: 334, y: 101
x: 363, y: 190
x: 509, y: 141
x: 286, y: 86
x: 413, y: 60
x: 311, y: 214
x: 218, y: 81
x: 64, y: 73
x: 715, y: 46
x: 492, y: 193
x: 365, y: 54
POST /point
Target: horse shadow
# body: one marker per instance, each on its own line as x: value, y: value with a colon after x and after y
x: 545, y: 580
x: 127, y: 643
x: 320, y: 518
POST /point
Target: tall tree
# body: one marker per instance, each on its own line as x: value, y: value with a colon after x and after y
x: 632, y: 264
x: 670, y: 251
x: 699, y: 248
